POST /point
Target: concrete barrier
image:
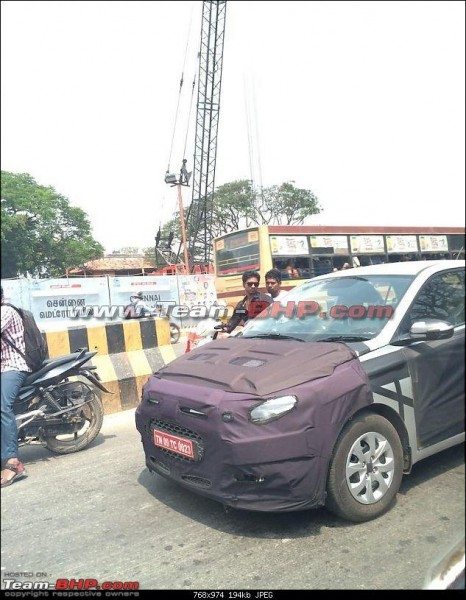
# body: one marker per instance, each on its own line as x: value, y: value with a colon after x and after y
x: 128, y: 352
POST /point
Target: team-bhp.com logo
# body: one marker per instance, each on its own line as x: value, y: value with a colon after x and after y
x: 307, y: 308
x: 178, y: 311
x: 257, y: 308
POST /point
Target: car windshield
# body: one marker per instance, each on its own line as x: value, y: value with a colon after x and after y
x: 349, y: 308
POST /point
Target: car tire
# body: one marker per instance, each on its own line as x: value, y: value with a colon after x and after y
x: 174, y: 333
x: 366, y: 469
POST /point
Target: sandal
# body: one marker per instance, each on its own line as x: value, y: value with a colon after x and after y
x: 18, y: 470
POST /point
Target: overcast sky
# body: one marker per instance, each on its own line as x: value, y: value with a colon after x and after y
x: 361, y: 102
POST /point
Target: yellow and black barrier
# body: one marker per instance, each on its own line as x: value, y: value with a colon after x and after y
x: 128, y: 352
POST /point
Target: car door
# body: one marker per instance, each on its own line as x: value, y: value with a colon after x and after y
x: 437, y: 367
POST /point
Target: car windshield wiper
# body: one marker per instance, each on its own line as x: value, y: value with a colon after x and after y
x: 273, y: 336
x: 358, y: 277
x: 344, y: 338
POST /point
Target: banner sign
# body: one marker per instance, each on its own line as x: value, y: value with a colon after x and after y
x: 196, y: 291
x: 401, y: 243
x: 161, y: 289
x: 53, y: 300
x: 16, y: 291
x: 433, y: 243
x: 288, y: 245
x: 329, y: 244
x: 365, y: 244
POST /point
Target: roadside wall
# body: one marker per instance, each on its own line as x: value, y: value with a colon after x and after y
x: 52, y: 301
x: 127, y: 354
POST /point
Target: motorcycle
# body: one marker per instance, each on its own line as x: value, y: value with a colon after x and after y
x: 209, y: 329
x: 161, y: 311
x: 62, y: 414
x: 174, y: 333
x: 205, y: 332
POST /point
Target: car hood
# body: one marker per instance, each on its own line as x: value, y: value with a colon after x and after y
x: 258, y: 367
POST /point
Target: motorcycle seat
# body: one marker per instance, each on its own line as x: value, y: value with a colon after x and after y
x: 48, y: 365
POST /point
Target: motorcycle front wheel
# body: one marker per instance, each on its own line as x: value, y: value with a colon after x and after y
x: 91, y: 417
x: 174, y: 333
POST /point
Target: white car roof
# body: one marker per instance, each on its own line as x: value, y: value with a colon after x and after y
x: 396, y: 268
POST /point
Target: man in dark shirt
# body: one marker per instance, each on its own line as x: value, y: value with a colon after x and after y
x: 251, y: 305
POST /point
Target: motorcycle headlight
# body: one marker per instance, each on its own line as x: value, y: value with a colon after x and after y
x: 272, y: 409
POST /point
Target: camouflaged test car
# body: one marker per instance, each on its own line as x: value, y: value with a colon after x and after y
x: 326, y: 399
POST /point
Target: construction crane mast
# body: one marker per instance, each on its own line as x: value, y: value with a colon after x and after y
x: 199, y: 213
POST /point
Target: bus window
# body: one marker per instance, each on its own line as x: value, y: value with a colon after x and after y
x: 293, y: 268
x: 371, y: 259
x: 237, y: 252
x: 327, y: 264
x: 339, y: 261
x: 322, y: 265
x: 435, y: 256
x: 403, y: 257
x: 456, y: 246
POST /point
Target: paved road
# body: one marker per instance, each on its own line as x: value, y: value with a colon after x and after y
x: 100, y: 514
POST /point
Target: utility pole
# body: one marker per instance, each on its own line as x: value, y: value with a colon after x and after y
x: 183, y: 230
x: 182, y: 180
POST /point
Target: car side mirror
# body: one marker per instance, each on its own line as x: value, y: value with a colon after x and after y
x: 431, y: 329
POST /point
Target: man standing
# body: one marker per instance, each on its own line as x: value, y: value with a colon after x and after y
x: 13, y: 372
x: 141, y: 308
x: 273, y: 282
x: 252, y: 303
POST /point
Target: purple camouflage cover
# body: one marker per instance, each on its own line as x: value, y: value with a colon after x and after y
x: 206, y: 396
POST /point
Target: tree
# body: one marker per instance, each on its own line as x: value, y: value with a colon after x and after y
x: 237, y: 204
x: 41, y: 232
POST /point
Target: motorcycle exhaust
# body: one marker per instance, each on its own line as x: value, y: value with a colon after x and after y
x: 30, y: 416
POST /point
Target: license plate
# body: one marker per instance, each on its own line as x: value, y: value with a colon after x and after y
x: 176, y: 444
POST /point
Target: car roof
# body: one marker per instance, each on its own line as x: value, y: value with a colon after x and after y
x: 413, y: 267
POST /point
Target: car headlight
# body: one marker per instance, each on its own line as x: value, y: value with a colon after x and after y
x: 150, y: 396
x: 272, y: 409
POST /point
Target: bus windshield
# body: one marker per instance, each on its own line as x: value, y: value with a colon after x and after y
x: 350, y: 308
x: 237, y: 252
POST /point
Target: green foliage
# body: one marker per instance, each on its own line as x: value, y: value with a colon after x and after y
x: 41, y: 233
x: 234, y: 204
x: 238, y: 204
x: 286, y: 205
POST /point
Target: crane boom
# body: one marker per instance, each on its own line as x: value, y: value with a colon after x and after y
x: 199, y: 213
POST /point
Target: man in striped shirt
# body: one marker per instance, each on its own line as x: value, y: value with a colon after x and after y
x: 14, y: 371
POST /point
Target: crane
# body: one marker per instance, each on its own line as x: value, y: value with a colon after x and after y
x: 199, y: 213
x: 197, y: 227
